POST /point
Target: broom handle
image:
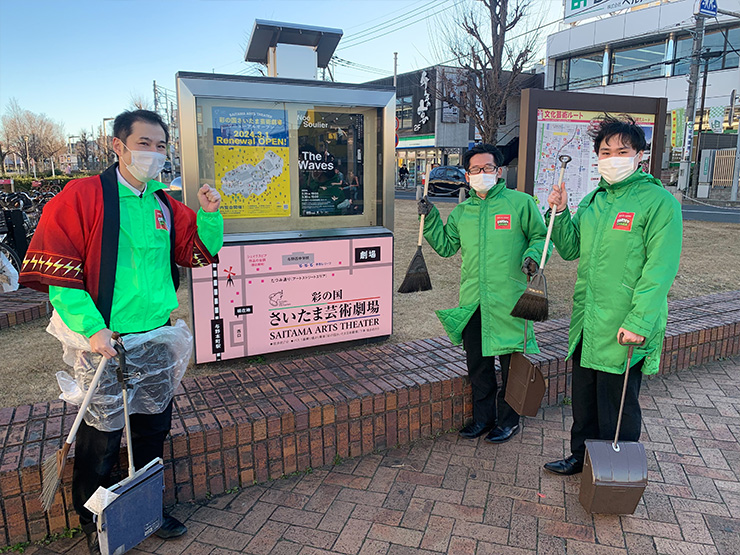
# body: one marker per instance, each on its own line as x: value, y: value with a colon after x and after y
x: 86, y: 400
x: 421, y: 221
x: 552, y: 219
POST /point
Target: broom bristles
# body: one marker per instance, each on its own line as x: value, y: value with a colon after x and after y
x: 51, y: 475
x: 531, y: 307
x: 417, y: 276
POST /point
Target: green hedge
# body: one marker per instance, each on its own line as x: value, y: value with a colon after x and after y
x: 23, y: 183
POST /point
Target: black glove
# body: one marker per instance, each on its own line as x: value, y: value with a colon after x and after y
x: 529, y: 267
x: 424, y: 206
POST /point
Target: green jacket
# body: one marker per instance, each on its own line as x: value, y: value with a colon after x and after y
x: 495, y: 235
x: 628, y: 238
x: 144, y: 295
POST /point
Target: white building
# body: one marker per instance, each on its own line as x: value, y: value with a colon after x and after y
x: 646, y: 52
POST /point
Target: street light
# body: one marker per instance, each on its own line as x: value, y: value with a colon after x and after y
x: 105, y: 139
x: 707, y: 56
x: 28, y: 159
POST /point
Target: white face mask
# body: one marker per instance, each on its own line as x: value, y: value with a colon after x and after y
x: 145, y: 164
x: 482, y: 182
x: 617, y: 168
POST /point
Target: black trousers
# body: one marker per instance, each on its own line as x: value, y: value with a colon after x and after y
x: 489, y: 406
x: 97, y: 452
x: 596, y: 399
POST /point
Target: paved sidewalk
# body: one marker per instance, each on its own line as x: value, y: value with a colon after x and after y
x: 456, y: 496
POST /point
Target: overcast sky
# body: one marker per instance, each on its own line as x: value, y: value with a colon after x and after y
x: 79, y: 61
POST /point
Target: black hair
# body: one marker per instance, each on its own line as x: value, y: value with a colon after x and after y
x: 608, y: 126
x: 125, y: 121
x: 483, y: 148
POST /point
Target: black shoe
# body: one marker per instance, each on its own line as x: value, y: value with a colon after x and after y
x: 474, y: 429
x: 171, y: 528
x: 565, y: 467
x: 93, y: 544
x: 501, y: 435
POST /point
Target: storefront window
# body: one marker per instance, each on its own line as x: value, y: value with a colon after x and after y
x: 585, y: 71
x: 404, y: 111
x: 644, y: 61
x: 561, y: 74
x: 715, y: 41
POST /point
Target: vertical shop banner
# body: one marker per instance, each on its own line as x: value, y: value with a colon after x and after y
x: 678, y: 123
x: 716, y: 119
x: 330, y: 163
x: 566, y: 132
x: 280, y: 296
x: 250, y: 150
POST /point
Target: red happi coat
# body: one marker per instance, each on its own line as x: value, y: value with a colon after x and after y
x: 78, y: 248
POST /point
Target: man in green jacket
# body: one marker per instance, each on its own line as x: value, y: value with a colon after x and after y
x: 106, y: 250
x: 627, y: 234
x: 500, y: 233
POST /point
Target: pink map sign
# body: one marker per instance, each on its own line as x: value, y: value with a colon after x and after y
x: 272, y: 296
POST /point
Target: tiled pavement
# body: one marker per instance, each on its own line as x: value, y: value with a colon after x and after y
x: 456, y: 496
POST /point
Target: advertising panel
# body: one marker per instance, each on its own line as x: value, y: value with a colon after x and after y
x: 250, y: 149
x: 276, y: 296
x: 330, y: 163
x: 561, y: 132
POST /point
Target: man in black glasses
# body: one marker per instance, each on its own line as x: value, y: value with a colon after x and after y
x: 500, y: 233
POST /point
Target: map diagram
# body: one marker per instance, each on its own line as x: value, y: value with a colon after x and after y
x: 249, y: 179
x: 566, y: 132
x: 553, y: 140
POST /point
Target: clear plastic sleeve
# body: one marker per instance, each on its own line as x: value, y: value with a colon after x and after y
x: 8, y: 275
x: 156, y: 362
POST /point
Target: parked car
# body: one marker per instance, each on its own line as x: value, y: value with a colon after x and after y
x: 447, y: 180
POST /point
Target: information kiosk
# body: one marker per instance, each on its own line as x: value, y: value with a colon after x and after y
x: 305, y: 170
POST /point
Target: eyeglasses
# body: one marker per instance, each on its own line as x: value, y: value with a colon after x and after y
x: 488, y: 168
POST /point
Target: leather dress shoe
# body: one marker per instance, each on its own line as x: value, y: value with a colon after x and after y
x: 93, y: 544
x: 501, y: 435
x: 565, y: 467
x: 171, y: 528
x: 474, y: 429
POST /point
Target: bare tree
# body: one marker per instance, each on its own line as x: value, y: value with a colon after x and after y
x: 139, y: 102
x: 84, y: 150
x: 490, y: 61
x: 34, y: 136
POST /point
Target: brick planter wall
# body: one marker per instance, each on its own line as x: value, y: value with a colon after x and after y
x: 24, y: 305
x: 235, y: 428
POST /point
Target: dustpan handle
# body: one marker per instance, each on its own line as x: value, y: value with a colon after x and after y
x: 120, y: 373
x: 615, y: 445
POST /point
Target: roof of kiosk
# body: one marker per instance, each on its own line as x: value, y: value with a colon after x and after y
x: 268, y: 34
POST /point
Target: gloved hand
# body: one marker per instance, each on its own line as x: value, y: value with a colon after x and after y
x: 424, y: 206
x: 529, y: 266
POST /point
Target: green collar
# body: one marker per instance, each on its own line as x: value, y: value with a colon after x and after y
x: 619, y: 186
x: 492, y: 192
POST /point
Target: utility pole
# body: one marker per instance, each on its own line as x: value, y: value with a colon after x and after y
x: 736, y: 173
x: 155, y: 96
x: 395, y: 69
x: 684, y: 172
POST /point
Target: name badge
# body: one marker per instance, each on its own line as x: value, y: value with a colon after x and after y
x: 159, y: 219
x: 503, y: 221
x: 623, y: 222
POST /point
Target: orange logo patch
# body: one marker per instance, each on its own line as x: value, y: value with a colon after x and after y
x: 503, y: 221
x: 623, y: 222
x: 159, y: 219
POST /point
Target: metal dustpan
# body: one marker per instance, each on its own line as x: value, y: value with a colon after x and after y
x: 614, y: 472
x: 135, y: 513
x: 525, y: 386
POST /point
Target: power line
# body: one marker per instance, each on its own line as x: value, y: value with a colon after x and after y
x: 399, y: 26
x: 349, y: 41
